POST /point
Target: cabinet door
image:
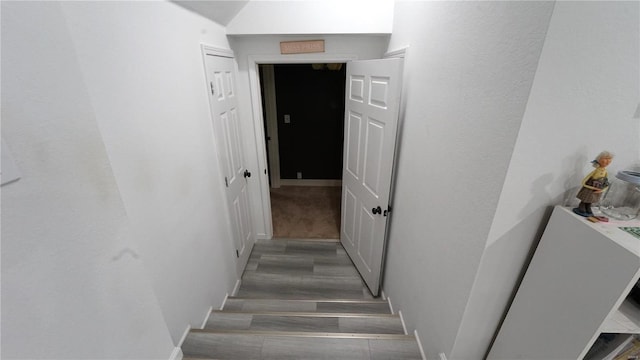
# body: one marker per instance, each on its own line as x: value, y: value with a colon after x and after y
x: 577, y: 279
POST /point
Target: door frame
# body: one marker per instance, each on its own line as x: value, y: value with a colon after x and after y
x: 271, y: 114
x: 258, y: 121
x: 402, y: 54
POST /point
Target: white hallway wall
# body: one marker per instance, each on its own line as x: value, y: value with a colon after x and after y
x: 313, y: 17
x: 73, y: 283
x: 268, y: 47
x: 583, y: 101
x: 115, y: 227
x: 144, y: 72
x: 469, y: 70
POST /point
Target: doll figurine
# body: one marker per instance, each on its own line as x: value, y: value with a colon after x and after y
x: 594, y: 184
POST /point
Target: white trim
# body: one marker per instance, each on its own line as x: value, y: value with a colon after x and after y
x: 399, y: 53
x: 206, y: 318
x: 424, y: 357
x: 271, y: 112
x: 184, y: 336
x: 216, y: 51
x: 224, y: 302
x: 441, y: 355
x: 258, y: 123
x: 236, y: 288
x: 300, y: 59
x: 390, y: 305
x: 258, y: 133
x: 404, y: 326
x: 310, y: 182
x: 176, y: 354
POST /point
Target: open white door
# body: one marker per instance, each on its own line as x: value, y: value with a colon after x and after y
x: 371, y: 117
x: 221, y: 77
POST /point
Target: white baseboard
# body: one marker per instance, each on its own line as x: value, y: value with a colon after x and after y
x: 224, y: 302
x: 236, y: 288
x: 206, y: 318
x: 390, y: 305
x: 424, y: 357
x: 404, y: 326
x: 309, y: 182
x: 176, y: 354
x: 184, y: 336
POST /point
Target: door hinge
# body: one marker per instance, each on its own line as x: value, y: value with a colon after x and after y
x: 226, y: 182
x: 213, y: 92
x: 237, y: 253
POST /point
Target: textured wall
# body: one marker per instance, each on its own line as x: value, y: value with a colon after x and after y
x: 583, y: 100
x: 114, y: 240
x: 469, y: 69
x: 73, y: 282
x: 313, y: 17
x: 143, y: 67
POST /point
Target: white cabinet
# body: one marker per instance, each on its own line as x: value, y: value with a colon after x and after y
x: 575, y: 289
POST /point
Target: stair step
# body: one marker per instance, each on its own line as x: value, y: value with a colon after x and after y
x: 303, y: 265
x: 308, y: 305
x: 297, y: 286
x: 237, y: 344
x: 308, y: 322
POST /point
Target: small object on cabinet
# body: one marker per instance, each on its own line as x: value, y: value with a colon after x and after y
x: 593, y: 184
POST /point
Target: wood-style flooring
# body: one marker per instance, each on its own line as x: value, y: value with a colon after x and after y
x: 301, y: 300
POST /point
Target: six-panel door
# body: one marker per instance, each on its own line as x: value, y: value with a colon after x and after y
x: 224, y: 103
x: 371, y: 117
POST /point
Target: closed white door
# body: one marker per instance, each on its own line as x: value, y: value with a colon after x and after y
x: 371, y: 117
x: 221, y: 77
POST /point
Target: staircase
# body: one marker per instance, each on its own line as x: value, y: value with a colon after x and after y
x: 301, y: 300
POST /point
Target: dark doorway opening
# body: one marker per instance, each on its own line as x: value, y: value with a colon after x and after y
x: 309, y: 131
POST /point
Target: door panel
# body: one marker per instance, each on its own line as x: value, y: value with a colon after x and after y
x: 220, y: 75
x: 246, y: 218
x: 367, y: 230
x: 348, y: 222
x: 219, y: 85
x: 234, y: 140
x: 379, y: 92
x: 356, y: 88
x: 373, y: 156
x: 226, y: 150
x: 352, y: 144
x: 371, y: 118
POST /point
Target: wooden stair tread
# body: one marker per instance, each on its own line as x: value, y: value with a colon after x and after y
x: 301, y: 300
x: 308, y: 305
x: 305, y: 334
x: 281, y: 345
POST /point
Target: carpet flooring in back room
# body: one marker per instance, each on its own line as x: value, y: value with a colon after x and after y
x: 306, y: 212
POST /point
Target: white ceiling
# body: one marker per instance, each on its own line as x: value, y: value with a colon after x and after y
x: 220, y: 11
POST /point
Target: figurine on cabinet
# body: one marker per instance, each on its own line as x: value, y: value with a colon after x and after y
x: 594, y: 184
